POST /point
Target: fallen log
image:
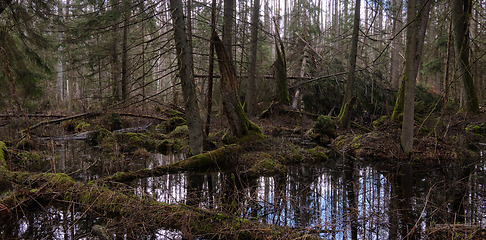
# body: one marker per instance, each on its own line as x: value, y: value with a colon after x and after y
x: 221, y: 158
x: 150, y: 215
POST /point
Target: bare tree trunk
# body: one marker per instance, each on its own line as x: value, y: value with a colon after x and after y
x: 347, y: 108
x: 211, y: 67
x: 186, y: 73
x: 396, y: 61
x: 461, y: 13
x: 124, y: 70
x: 281, y: 70
x: 417, y: 16
x: 115, y: 60
x: 446, y: 84
x: 60, y: 63
x: 228, y: 20
x: 251, y: 88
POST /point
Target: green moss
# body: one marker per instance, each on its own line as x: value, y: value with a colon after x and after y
x: 379, y: 121
x: 252, y: 136
x: 479, y: 130
x: 173, y: 123
x: 59, y: 178
x: 317, y: 155
x: 180, y: 131
x: 263, y: 163
x: 3, y: 153
x: 82, y: 127
x: 100, y: 137
x: 175, y: 113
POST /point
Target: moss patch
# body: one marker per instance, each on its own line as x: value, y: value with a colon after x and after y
x: 262, y: 163
x: 3, y: 153
x: 479, y: 129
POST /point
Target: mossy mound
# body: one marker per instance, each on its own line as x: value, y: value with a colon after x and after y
x: 263, y: 164
x: 323, y: 131
x: 479, y: 129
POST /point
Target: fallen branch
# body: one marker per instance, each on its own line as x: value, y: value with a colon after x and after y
x: 142, y: 116
x: 58, y: 120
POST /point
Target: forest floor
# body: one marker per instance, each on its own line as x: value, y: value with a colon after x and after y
x: 290, y: 139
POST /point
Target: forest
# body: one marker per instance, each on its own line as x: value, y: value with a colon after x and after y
x: 225, y: 119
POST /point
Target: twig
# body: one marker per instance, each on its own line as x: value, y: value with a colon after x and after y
x: 82, y: 215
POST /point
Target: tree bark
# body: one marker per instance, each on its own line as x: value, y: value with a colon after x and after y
x: 251, y: 88
x: 232, y: 108
x: 211, y: 68
x: 124, y: 70
x: 116, y: 73
x: 417, y: 16
x: 228, y: 23
x: 461, y: 13
x: 60, y: 63
x: 186, y: 73
x: 347, y: 107
x: 281, y: 70
x: 396, y: 57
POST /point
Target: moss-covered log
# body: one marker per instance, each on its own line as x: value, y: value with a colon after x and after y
x: 212, y: 160
x: 41, y: 188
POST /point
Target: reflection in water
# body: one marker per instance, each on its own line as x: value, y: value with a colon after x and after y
x: 349, y: 200
x: 85, y: 163
x: 49, y: 223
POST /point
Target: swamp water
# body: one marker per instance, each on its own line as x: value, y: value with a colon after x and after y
x: 344, y: 199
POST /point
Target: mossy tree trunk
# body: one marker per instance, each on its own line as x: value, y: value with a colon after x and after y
x: 232, y: 108
x: 421, y: 20
x: 398, y: 110
x: 347, y: 106
x: 461, y: 14
x: 186, y: 73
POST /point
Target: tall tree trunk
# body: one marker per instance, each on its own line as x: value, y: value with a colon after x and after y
x: 347, y: 106
x: 211, y: 68
x: 232, y: 108
x: 124, y: 70
x: 60, y: 63
x: 251, y: 88
x: 417, y: 16
x: 228, y: 23
x: 446, y: 84
x: 396, y: 58
x: 186, y: 73
x: 461, y: 13
x: 281, y: 70
x: 116, y: 73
